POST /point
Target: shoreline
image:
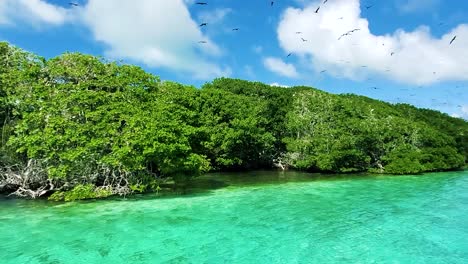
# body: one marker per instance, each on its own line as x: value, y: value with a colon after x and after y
x: 220, y: 180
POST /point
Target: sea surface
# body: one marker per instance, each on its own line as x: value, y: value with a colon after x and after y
x: 257, y: 217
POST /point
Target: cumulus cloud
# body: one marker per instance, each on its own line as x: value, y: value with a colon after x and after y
x: 419, y: 57
x: 159, y: 33
x: 280, y: 67
x: 34, y: 12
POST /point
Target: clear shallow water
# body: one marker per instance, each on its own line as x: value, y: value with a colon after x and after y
x: 406, y: 219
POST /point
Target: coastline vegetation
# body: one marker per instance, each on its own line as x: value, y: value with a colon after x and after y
x: 77, y: 127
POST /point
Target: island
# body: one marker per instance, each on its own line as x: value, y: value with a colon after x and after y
x: 78, y: 126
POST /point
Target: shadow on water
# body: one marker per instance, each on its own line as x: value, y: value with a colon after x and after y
x: 206, y: 184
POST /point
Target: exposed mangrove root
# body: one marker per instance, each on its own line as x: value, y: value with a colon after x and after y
x: 116, y: 181
x: 28, y: 181
x: 31, y: 180
x: 281, y: 162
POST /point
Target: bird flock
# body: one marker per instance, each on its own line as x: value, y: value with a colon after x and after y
x: 317, y: 10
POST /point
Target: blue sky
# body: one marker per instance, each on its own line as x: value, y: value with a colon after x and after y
x: 162, y: 36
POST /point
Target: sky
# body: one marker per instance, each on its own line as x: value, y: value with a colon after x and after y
x: 399, y: 51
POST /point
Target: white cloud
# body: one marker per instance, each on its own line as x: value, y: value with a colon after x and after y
x: 34, y: 12
x: 464, y: 112
x: 280, y: 67
x: 159, y: 33
x: 279, y: 85
x: 417, y: 54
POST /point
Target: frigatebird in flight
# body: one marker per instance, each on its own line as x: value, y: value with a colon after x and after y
x: 73, y: 4
x: 453, y: 40
x: 345, y: 34
x: 318, y: 8
x: 349, y: 33
x: 201, y: 3
x: 203, y: 24
x: 304, y: 39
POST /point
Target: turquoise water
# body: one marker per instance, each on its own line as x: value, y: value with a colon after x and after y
x: 293, y: 218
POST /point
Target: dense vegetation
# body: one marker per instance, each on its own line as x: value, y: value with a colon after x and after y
x: 78, y: 127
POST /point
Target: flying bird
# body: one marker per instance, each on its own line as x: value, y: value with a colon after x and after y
x: 202, y: 41
x: 73, y: 4
x: 235, y: 29
x: 342, y: 35
x: 349, y: 33
x: 340, y: 18
x: 289, y: 55
x: 272, y: 2
x: 391, y: 54
x: 325, y: 1
x: 367, y: 7
x: 201, y: 3
x: 304, y: 40
x: 453, y: 40
x: 316, y: 11
x: 203, y: 24
x: 323, y: 71
x: 298, y: 32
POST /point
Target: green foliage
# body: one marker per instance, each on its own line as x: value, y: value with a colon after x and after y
x: 349, y: 133
x: 90, y: 122
x: 238, y: 129
x: 88, y: 112
x: 80, y: 192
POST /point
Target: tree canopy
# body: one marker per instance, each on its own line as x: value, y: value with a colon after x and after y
x: 79, y: 127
